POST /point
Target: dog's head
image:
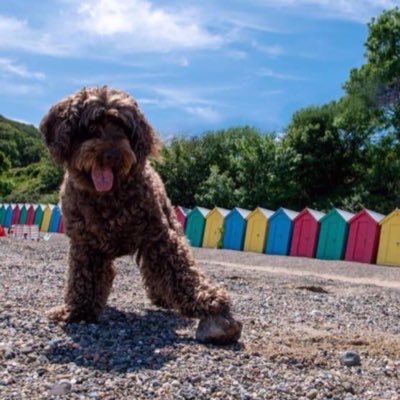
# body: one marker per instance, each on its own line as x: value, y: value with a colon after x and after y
x: 100, y: 135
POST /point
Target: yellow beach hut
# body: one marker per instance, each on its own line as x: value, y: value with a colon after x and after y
x: 214, y: 226
x: 389, y: 244
x: 256, y: 231
x: 47, y: 211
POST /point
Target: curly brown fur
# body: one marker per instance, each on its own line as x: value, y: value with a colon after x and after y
x: 114, y: 204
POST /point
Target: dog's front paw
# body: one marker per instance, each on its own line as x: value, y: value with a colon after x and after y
x: 219, y: 329
x: 59, y: 313
x: 65, y: 314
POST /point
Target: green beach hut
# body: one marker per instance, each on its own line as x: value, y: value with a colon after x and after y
x: 195, y: 224
x: 3, y: 208
x: 333, y: 234
x: 23, y: 214
x: 38, y: 215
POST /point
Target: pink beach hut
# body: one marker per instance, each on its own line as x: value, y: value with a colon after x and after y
x: 363, y: 239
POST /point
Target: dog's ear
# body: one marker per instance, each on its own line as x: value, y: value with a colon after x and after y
x: 143, y: 139
x: 57, y: 128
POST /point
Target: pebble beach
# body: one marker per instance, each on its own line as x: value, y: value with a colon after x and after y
x: 312, y: 329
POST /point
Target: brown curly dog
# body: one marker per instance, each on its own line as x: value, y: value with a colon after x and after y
x: 115, y: 204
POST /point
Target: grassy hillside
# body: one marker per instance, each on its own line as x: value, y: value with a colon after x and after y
x: 26, y: 173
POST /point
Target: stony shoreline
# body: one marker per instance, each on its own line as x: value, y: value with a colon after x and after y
x: 296, y: 329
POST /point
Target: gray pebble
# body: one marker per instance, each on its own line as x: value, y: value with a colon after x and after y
x: 350, y: 359
x: 61, y: 388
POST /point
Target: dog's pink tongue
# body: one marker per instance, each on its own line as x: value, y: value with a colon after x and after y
x: 102, y: 178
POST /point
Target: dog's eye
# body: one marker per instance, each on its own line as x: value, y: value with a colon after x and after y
x: 92, y: 129
x: 91, y: 132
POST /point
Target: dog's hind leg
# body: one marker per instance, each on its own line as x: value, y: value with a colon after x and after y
x: 89, y: 282
x: 171, y: 275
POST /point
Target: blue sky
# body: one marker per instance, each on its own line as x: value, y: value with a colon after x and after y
x: 191, y: 65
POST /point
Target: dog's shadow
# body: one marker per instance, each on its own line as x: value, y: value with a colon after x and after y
x: 122, y: 342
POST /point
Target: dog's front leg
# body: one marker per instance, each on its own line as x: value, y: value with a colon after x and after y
x: 173, y: 280
x: 89, y: 282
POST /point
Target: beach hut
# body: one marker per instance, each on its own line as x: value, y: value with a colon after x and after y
x: 256, y: 229
x: 61, y: 225
x: 363, y: 239
x: 8, y: 216
x: 23, y: 214
x: 214, y: 227
x: 181, y: 215
x: 389, y: 244
x: 3, y: 208
x: 235, y: 229
x: 195, y: 222
x: 30, y: 214
x: 305, y: 233
x: 54, y: 219
x: 333, y: 232
x: 47, y: 211
x: 280, y: 227
x: 15, y: 214
x: 38, y: 214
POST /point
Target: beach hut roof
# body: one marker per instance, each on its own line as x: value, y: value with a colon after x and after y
x: 267, y: 213
x: 388, y: 217
x: 223, y: 211
x: 374, y: 215
x: 347, y: 216
x: 318, y: 215
x: 184, y: 210
x: 242, y: 211
x: 290, y: 213
x: 204, y: 211
x: 264, y: 211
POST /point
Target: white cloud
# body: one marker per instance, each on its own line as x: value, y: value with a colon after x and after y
x: 280, y: 76
x: 10, y: 67
x: 189, y: 100
x: 273, y: 50
x: 356, y: 10
x: 144, y: 27
x: 183, y: 62
x: 17, y: 34
x: 148, y: 101
x: 182, y: 97
x: 236, y: 54
x: 205, y: 113
x: 18, y: 89
x: 105, y: 28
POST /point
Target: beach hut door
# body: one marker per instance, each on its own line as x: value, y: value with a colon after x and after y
x: 393, y: 253
x: 362, y: 244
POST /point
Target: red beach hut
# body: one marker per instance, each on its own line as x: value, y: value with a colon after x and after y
x: 181, y: 214
x: 305, y: 233
x: 61, y: 225
x: 30, y: 215
x: 15, y: 214
x: 363, y: 240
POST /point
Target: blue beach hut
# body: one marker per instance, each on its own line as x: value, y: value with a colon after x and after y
x: 235, y: 229
x: 8, y: 216
x: 54, y: 219
x: 280, y: 229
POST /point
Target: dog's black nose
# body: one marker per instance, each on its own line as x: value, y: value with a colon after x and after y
x: 112, y: 156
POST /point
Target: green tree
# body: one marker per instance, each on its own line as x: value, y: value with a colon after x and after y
x: 217, y: 190
x: 376, y: 84
x: 5, y: 163
x: 324, y: 155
